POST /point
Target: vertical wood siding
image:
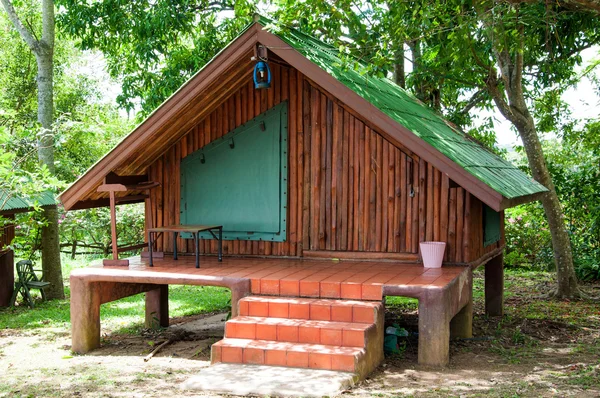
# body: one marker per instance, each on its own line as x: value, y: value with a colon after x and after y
x: 349, y: 188
x: 7, y: 234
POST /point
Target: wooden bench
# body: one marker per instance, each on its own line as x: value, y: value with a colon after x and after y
x: 194, y: 230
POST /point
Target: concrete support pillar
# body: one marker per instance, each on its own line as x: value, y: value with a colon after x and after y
x: 461, y: 326
x: 434, y: 329
x: 85, y: 316
x: 238, y: 291
x: 494, y: 286
x: 157, y: 307
x: 86, y: 298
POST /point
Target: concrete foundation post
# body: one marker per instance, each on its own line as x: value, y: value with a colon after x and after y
x: 494, y: 286
x: 461, y: 326
x: 238, y: 291
x: 157, y: 307
x: 85, y: 316
x: 434, y: 330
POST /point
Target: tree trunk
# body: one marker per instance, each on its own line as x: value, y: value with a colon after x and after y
x: 508, y: 94
x: 51, y: 255
x: 51, y: 264
x: 517, y: 112
x: 45, y: 114
x: 418, y: 86
x: 399, y: 73
x: 43, y: 49
x: 561, y: 244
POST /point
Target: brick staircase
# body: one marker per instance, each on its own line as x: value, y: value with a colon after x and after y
x: 339, y: 335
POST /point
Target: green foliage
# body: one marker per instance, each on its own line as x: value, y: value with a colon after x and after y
x: 85, y: 126
x: 453, y: 45
x: 16, y: 181
x: 86, y: 134
x: 91, y: 228
x: 153, y: 47
x: 528, y: 240
x: 573, y: 163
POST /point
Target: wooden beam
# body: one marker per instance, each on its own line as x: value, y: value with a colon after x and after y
x: 105, y: 202
x: 132, y: 247
x: 143, y: 186
x: 113, y: 226
x: 508, y: 203
x: 113, y: 178
x: 379, y: 256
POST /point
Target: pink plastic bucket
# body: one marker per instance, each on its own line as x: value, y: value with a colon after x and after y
x: 432, y: 253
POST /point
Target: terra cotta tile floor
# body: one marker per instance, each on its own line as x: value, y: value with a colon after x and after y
x: 359, y: 280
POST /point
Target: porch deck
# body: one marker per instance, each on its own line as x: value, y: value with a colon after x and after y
x: 357, y: 280
x: 443, y: 293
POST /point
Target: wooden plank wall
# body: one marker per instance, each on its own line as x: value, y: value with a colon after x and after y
x: 7, y: 234
x: 349, y: 188
x: 475, y: 249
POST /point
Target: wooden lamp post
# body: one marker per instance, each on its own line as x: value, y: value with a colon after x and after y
x: 114, y: 183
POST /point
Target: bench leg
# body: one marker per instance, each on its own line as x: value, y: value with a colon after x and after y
x: 434, y: 329
x: 85, y: 316
x: 461, y: 326
x: 157, y: 307
x: 494, y: 286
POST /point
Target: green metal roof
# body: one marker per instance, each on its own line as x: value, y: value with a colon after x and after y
x: 10, y: 203
x: 499, y: 174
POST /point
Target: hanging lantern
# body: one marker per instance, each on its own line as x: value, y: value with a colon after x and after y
x: 262, y: 75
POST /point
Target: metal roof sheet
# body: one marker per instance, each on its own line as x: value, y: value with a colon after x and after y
x: 10, y: 202
x: 499, y: 174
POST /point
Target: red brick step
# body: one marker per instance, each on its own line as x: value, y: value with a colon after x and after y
x: 306, y: 308
x: 263, y: 352
x: 331, y: 334
x: 299, y: 331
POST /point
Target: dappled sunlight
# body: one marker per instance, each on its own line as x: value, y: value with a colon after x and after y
x: 479, y: 377
x: 268, y: 380
x: 57, y: 372
x: 411, y: 381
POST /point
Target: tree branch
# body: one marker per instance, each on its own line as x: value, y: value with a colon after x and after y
x: 474, y: 101
x: 26, y: 35
x: 517, y: 72
x: 492, y: 88
x: 592, y: 6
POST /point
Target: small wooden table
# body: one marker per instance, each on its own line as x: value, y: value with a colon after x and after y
x: 194, y: 230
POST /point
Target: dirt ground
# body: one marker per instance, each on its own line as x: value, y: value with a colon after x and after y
x: 544, y: 354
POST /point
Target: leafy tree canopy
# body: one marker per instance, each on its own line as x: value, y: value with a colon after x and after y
x: 154, y: 46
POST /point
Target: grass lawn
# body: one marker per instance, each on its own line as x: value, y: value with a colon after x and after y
x: 539, y: 348
x: 121, y: 316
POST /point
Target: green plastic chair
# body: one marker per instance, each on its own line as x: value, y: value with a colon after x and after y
x: 27, y: 280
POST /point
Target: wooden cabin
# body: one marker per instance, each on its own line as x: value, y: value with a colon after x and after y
x: 326, y: 163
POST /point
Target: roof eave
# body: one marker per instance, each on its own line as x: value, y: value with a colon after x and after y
x: 78, y: 189
x: 512, y: 202
x: 11, y: 212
